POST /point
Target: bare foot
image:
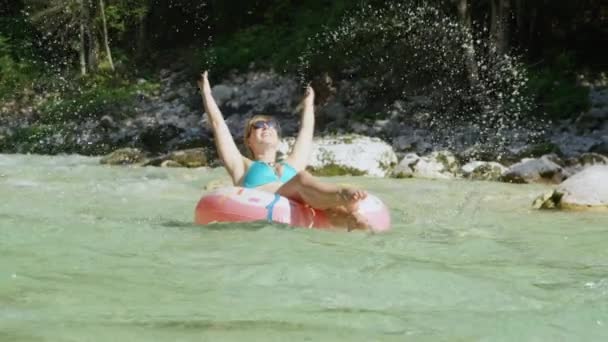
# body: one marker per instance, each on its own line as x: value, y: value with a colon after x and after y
x: 350, y: 197
x: 350, y: 209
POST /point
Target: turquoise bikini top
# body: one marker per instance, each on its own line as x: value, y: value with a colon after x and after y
x: 260, y: 173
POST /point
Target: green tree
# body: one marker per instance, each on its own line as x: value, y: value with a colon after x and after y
x: 75, y: 25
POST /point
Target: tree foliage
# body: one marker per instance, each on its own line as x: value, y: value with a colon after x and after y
x: 227, y: 34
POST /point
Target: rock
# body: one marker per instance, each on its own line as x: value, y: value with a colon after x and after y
x: 571, y: 144
x: 438, y: 165
x: 548, y: 200
x: 538, y: 150
x: 195, y: 157
x: 599, y: 96
x: 577, y: 164
x: 413, y: 141
x: 586, y: 190
x: 156, y: 137
x: 600, y: 148
x: 405, y: 168
x: 222, y: 93
x: 333, y: 111
x: 263, y: 93
x: 165, y: 74
x: 482, y: 170
x: 447, y: 159
x: 107, y: 122
x: 530, y: 170
x: 403, y: 143
x: 382, y: 126
x: 358, y: 127
x: 477, y: 152
x: 170, y: 96
x: 349, y: 154
x: 124, y: 156
x: 587, y: 159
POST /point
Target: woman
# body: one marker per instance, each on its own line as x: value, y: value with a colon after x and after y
x: 289, y: 177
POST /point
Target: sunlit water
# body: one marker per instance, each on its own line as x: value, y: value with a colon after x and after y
x: 94, y: 253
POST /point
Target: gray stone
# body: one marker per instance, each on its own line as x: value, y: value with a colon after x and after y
x: 107, y: 122
x: 447, y: 159
x: 548, y: 200
x: 571, y: 145
x: 333, y: 111
x: 586, y: 190
x: 195, y: 157
x: 222, y: 93
x: 601, y: 148
x: 437, y: 165
x: 192, y: 158
x: 405, y: 168
x: 531, y: 170
x: 124, y: 156
x: 482, y: 170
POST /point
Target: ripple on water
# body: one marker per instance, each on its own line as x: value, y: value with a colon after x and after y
x: 464, y: 260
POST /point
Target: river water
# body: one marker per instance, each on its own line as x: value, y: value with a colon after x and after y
x: 93, y: 253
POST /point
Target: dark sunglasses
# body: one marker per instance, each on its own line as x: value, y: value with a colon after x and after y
x: 265, y: 123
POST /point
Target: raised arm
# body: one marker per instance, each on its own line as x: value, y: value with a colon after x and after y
x: 228, y: 152
x: 303, y: 146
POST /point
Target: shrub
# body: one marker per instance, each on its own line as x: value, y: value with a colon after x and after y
x: 556, y: 91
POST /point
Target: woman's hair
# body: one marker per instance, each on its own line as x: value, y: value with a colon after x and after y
x: 249, y: 128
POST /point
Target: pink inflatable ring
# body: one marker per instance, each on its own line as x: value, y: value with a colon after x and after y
x: 236, y: 204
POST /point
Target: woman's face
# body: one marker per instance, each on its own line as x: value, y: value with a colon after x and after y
x: 263, y: 134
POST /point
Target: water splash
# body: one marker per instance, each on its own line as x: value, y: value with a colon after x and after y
x: 439, y: 75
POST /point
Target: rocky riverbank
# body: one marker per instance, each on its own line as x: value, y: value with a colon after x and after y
x: 168, y: 128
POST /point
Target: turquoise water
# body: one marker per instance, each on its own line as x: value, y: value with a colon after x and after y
x: 93, y: 253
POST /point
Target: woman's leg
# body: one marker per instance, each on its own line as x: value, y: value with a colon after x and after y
x: 341, y: 203
x: 317, y: 194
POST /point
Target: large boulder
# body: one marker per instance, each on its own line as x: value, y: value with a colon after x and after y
x: 586, y: 190
x: 535, y: 170
x: 348, y: 154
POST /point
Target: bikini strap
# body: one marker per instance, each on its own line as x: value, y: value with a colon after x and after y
x: 270, y: 207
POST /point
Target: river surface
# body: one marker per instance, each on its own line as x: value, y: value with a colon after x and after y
x: 97, y: 253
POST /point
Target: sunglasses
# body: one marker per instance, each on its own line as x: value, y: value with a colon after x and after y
x: 265, y: 123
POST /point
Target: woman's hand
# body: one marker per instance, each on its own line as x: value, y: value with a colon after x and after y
x: 203, y: 83
x: 309, y: 97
